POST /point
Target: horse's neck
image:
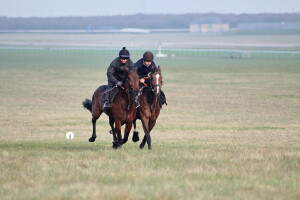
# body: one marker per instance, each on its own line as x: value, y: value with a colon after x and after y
x: 123, y: 98
x: 122, y: 94
x: 151, y: 98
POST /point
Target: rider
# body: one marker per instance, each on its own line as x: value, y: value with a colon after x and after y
x: 144, y: 67
x: 116, y: 73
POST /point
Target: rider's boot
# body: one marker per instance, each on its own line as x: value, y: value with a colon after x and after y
x: 106, y: 104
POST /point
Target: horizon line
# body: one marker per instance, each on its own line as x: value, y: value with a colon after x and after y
x: 243, y: 13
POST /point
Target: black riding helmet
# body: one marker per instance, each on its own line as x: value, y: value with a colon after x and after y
x: 148, y: 56
x: 124, y: 53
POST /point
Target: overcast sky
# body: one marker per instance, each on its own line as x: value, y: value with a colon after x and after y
x: 53, y: 8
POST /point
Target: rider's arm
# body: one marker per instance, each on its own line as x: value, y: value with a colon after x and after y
x: 110, y: 74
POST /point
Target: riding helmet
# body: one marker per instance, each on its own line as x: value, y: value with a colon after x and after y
x: 124, y: 53
x: 148, y: 56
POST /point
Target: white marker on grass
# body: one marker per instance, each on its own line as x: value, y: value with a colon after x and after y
x: 69, y: 135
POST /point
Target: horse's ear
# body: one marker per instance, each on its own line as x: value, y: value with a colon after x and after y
x: 135, y: 69
x: 159, y: 69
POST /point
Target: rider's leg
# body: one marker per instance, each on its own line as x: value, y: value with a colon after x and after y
x: 162, y: 99
x: 105, y: 97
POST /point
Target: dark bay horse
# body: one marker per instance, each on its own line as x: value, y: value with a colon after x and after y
x: 122, y: 110
x: 149, y: 109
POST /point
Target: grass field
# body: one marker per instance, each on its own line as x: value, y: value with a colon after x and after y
x: 231, y: 131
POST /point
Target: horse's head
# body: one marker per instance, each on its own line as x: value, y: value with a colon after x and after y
x: 132, y: 81
x: 156, y: 80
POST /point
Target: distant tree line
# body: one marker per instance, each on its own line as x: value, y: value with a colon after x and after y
x: 154, y: 21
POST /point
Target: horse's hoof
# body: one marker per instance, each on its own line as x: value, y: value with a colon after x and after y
x: 92, y: 139
x: 141, y: 146
x: 149, y: 147
x: 115, y: 145
x: 135, y: 137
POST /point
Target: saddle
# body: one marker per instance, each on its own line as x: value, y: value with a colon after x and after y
x: 113, y: 93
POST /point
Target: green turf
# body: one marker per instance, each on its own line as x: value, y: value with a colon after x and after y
x: 231, y: 130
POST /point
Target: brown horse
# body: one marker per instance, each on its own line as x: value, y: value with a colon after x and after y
x: 149, y: 109
x: 122, y: 110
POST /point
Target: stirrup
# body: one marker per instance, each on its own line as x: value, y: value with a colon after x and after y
x: 106, y: 105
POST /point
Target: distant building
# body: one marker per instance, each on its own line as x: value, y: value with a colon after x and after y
x: 204, y: 28
x: 194, y: 28
x: 209, y: 24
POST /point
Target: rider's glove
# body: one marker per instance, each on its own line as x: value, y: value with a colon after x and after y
x: 119, y: 83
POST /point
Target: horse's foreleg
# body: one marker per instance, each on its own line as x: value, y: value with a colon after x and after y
x: 151, y: 125
x: 113, y: 131
x: 147, y: 134
x: 119, y: 140
x: 126, y: 132
x: 135, y: 136
x: 148, y: 137
x: 142, y: 145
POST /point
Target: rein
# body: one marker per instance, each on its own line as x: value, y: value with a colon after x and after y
x: 109, y: 90
x: 114, y: 88
x: 129, y: 91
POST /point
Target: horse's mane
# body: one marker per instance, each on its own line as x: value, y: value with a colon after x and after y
x: 154, y: 70
x: 131, y: 70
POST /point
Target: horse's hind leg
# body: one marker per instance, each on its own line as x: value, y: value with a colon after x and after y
x: 126, y: 132
x: 93, y: 138
x: 95, y: 116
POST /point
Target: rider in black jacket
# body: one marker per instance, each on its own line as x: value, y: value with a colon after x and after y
x: 116, y: 73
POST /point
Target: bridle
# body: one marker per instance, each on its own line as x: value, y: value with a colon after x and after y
x: 154, y: 87
x: 130, y: 91
x: 129, y: 86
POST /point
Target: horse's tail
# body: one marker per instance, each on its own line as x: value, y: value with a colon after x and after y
x: 87, y: 104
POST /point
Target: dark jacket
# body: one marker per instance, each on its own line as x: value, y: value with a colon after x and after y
x: 142, y: 69
x: 116, y: 70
